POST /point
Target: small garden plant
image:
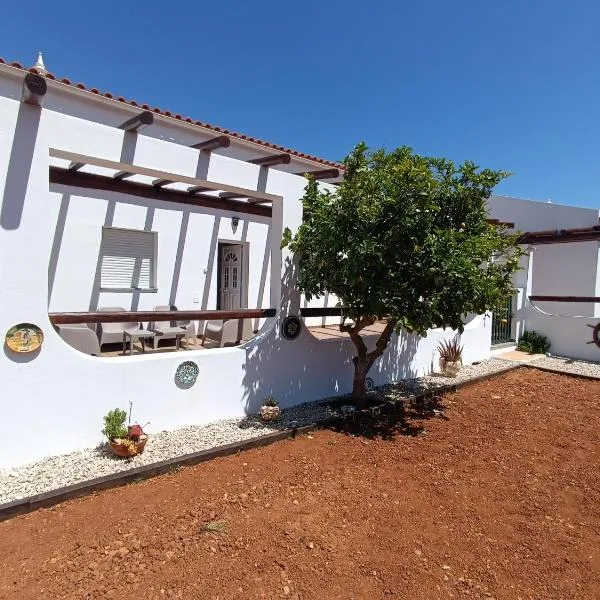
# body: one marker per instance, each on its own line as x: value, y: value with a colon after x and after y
x: 114, y: 424
x: 124, y: 440
x: 450, y: 351
x: 534, y: 343
x: 270, y: 411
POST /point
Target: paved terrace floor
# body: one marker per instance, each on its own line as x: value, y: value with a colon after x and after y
x: 324, y: 333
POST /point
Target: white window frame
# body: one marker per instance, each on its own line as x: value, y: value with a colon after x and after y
x: 153, y: 286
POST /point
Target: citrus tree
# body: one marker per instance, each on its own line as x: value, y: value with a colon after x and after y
x: 403, y: 239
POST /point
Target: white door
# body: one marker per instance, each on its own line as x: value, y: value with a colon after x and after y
x: 231, y: 277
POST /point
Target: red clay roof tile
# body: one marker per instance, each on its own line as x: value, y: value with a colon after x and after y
x: 167, y: 113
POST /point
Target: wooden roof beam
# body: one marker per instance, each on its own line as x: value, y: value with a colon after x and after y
x: 75, y: 166
x: 272, y: 160
x: 138, y: 122
x: 221, y: 141
x: 321, y: 174
x: 34, y: 89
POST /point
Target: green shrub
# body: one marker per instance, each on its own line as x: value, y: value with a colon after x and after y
x: 114, y: 424
x: 533, y: 342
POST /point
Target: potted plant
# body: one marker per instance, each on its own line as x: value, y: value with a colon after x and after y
x: 450, y: 356
x: 270, y: 411
x: 124, y: 441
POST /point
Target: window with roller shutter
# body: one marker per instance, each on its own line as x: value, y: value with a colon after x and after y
x: 128, y: 259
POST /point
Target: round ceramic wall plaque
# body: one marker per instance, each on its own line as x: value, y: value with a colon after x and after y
x: 595, y: 335
x: 369, y: 384
x: 24, y: 337
x: 291, y: 326
x: 187, y: 373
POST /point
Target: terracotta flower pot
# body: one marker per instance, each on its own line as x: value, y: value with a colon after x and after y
x: 126, y: 450
x: 451, y: 369
x: 270, y: 413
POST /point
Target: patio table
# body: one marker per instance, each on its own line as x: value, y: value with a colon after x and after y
x: 178, y: 332
x: 132, y: 334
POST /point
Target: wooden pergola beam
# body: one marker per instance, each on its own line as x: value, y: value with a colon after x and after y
x: 138, y: 122
x: 73, y: 318
x: 123, y: 174
x: 561, y: 236
x: 34, y: 89
x: 231, y: 195
x: 157, y: 174
x: 221, y: 141
x: 196, y: 189
x: 158, y: 183
x: 595, y: 299
x: 272, y: 160
x: 92, y: 181
x: 321, y: 174
x: 506, y: 224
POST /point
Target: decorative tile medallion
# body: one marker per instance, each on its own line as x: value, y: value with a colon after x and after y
x: 595, y: 335
x: 369, y: 384
x: 187, y: 373
x: 291, y: 326
x: 24, y: 337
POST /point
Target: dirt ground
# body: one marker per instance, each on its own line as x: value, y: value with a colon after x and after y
x: 496, y: 497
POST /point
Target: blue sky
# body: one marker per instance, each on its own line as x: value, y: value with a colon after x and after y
x: 510, y: 84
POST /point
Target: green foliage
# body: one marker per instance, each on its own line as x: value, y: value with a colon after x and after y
x: 534, y: 343
x: 114, y: 424
x: 270, y: 401
x: 404, y: 238
x: 450, y: 350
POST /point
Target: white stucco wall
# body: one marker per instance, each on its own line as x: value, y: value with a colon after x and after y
x: 566, y: 269
x: 533, y: 215
x: 50, y: 234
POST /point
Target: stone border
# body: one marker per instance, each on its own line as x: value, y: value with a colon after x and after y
x: 53, y: 497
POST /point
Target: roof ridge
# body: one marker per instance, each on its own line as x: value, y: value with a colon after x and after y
x: 177, y: 116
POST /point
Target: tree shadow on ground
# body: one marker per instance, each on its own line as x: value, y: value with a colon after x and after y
x: 386, y: 419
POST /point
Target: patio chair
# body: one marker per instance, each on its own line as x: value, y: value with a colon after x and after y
x: 80, y: 337
x: 112, y: 333
x: 227, y: 332
x: 170, y: 328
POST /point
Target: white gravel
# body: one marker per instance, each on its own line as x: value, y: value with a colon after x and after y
x: 569, y: 365
x: 59, y: 471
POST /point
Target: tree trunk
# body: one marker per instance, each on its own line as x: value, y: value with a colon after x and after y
x: 364, y: 360
x: 359, y: 388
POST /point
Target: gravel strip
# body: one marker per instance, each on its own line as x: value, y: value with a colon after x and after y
x: 59, y: 471
x: 569, y: 365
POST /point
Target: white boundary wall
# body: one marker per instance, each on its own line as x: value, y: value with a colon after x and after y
x: 53, y: 401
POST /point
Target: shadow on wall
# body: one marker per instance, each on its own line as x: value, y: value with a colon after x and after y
x: 19, y: 165
x: 306, y: 369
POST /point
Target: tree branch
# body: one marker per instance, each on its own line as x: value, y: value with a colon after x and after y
x: 382, y: 342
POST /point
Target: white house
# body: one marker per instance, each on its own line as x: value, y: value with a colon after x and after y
x: 564, y: 260
x: 112, y: 204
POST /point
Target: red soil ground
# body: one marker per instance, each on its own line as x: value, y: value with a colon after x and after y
x: 498, y: 498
